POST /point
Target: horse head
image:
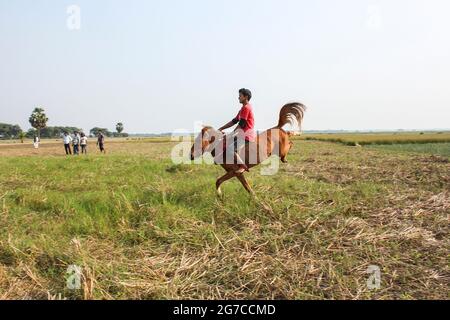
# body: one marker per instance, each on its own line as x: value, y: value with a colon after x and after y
x: 205, y: 142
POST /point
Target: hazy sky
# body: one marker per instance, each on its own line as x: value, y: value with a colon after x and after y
x: 158, y: 66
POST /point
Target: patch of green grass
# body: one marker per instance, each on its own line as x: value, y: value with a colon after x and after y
x: 442, y: 149
x: 353, y: 139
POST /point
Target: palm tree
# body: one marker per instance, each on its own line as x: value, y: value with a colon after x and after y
x: 38, y: 120
x: 22, y: 136
x: 119, y: 127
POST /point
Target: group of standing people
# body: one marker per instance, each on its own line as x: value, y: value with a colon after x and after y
x: 79, y: 140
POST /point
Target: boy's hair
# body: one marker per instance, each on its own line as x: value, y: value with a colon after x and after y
x: 246, y: 93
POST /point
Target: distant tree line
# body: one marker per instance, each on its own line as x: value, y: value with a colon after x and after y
x: 107, y: 133
x: 10, y: 131
x: 38, y: 121
x: 96, y: 130
x: 52, y: 132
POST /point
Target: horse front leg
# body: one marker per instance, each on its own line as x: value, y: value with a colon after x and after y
x: 227, y: 176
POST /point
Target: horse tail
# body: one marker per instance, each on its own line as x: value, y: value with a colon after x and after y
x: 291, y: 113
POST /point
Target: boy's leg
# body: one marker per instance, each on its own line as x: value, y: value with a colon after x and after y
x: 232, y: 154
x: 239, y: 160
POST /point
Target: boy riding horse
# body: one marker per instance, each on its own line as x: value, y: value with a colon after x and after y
x: 244, y: 131
x: 272, y: 142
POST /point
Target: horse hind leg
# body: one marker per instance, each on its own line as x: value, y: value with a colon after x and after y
x: 246, y: 185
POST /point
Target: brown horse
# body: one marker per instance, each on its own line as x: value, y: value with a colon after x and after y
x: 274, y: 141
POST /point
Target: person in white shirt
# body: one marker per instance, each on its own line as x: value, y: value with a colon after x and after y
x: 83, y: 143
x: 67, y: 139
x: 36, y: 141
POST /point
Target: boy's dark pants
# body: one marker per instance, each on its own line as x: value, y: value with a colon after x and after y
x: 67, y: 148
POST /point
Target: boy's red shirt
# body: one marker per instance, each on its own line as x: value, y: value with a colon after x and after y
x: 246, y: 113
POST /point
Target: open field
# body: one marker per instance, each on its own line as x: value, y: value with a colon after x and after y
x: 353, y: 139
x: 55, y: 148
x: 143, y: 228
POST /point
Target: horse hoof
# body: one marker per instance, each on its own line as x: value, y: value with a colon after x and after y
x: 219, y: 193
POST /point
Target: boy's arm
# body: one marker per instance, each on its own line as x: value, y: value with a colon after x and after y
x: 229, y: 125
x: 241, y: 125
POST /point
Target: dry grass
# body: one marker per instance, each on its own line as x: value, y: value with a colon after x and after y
x: 55, y: 148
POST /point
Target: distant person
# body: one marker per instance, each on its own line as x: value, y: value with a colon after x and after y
x: 67, y: 139
x: 76, y: 143
x: 83, y: 143
x: 36, y: 141
x: 101, y: 142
